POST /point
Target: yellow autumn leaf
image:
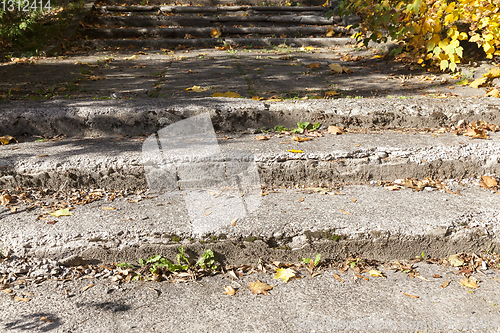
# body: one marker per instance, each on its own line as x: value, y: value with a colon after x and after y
x: 229, y: 94
x: 61, y: 212
x: 469, y: 283
x: 295, y: 151
x: 331, y: 93
x: 493, y: 73
x: 284, y: 274
x: 6, y: 139
x: 196, y: 89
x: 256, y: 98
x: 455, y: 260
x: 215, y: 33
x: 493, y: 93
x: 330, y: 32
x: 131, y: 57
x: 478, y: 82
x: 339, y: 68
x: 374, y: 272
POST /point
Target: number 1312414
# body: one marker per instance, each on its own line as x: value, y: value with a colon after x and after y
x: 25, y: 5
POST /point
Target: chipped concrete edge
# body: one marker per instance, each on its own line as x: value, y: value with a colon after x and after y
x: 437, y: 243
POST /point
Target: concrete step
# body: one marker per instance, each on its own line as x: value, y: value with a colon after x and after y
x: 264, y: 10
x: 161, y: 43
x: 328, y: 161
x: 365, y: 221
x: 176, y: 33
x: 198, y: 21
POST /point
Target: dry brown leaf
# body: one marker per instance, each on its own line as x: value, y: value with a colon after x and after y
x: 488, y: 181
x: 5, y: 199
x: 45, y: 319
x: 300, y: 139
x: 261, y: 137
x: 108, y: 208
x: 353, y: 200
x: 336, y: 276
x: 445, y: 284
x: 258, y: 287
x: 436, y: 276
x: 20, y: 299
x: 301, y: 199
x: 233, y: 222
x: 230, y: 291
x: 6, y: 139
x: 87, y: 287
x: 412, y: 296
x: 343, y: 211
x: 8, y: 291
x: 313, y: 65
x: 215, y: 33
x: 362, y: 277
x: 335, y: 130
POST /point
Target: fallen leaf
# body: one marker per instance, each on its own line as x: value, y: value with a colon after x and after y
x: 336, y: 276
x: 445, y: 284
x: 436, y: 276
x: 374, y: 272
x: 295, y: 151
x: 330, y: 32
x: 313, y: 65
x: 493, y: 93
x: 6, y: 139
x: 301, y: 199
x: 207, y: 213
x: 229, y: 94
x: 230, y: 291
x: 45, y: 319
x: 5, y: 199
x: 61, y: 212
x: 196, y: 89
x: 478, y: 82
x: 455, y: 260
x: 108, y: 208
x: 335, y: 130
x: 87, y: 287
x: 261, y: 137
x: 8, y: 291
x: 233, y: 222
x: 20, y: 299
x: 343, y: 211
x: 469, y: 283
x: 362, y: 277
x: 284, y: 274
x: 339, y: 68
x: 353, y: 200
x: 300, y: 139
x: 331, y: 93
x: 412, y: 296
x: 258, y: 287
x: 488, y: 181
x: 96, y: 78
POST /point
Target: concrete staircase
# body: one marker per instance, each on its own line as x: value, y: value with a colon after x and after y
x: 209, y: 24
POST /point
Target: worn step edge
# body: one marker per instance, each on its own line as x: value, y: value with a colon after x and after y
x: 141, y: 21
x: 111, y: 164
x: 212, y: 42
x: 204, y: 32
x: 386, y: 225
x: 215, y: 9
x: 146, y: 116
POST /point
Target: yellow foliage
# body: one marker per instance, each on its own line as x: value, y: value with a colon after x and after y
x: 420, y: 25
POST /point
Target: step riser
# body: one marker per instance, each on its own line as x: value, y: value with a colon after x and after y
x: 205, y: 32
x: 212, y: 10
x: 205, y: 42
x: 209, y: 21
x: 283, y: 174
